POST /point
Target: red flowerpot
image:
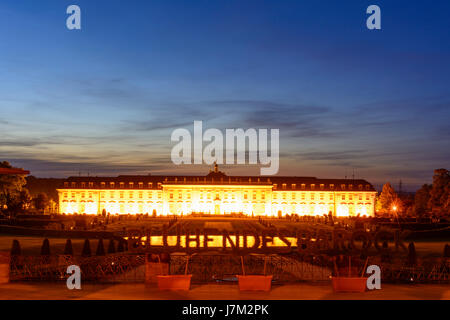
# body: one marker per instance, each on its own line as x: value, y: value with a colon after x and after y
x: 254, y: 283
x: 174, y: 282
x: 349, y: 284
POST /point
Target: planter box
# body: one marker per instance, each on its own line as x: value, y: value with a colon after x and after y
x: 174, y: 282
x: 254, y: 283
x: 346, y: 284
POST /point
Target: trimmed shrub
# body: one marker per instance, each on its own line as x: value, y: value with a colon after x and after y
x: 68, y: 249
x: 15, y: 249
x: 111, y: 246
x: 121, y: 246
x: 86, y: 249
x: 100, y: 248
x: 45, y: 249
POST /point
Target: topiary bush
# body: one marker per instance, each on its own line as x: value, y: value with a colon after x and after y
x: 45, y: 249
x: 68, y: 249
x: 86, y: 249
x: 15, y: 249
x: 100, y: 248
x: 111, y: 247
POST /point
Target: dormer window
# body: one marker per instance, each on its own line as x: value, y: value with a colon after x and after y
x: 331, y: 186
x: 83, y: 184
x: 103, y: 184
x: 91, y: 184
x: 284, y: 185
x: 322, y: 186
x: 343, y: 186
x: 141, y: 185
x: 303, y: 186
x: 294, y: 186
x: 66, y: 184
x: 122, y: 184
x: 275, y: 186
x: 313, y: 186
x: 131, y: 184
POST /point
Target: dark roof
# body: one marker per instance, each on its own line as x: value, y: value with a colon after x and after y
x: 282, y: 182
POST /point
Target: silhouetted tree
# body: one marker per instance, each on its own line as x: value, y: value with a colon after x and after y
x: 41, y: 202
x: 439, y: 200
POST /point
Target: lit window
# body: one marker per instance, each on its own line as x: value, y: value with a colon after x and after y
x: 131, y: 195
x: 284, y: 185
x: 103, y: 184
x: 131, y: 185
x: 303, y: 186
x: 121, y: 195
x: 122, y: 185
x: 141, y: 195
x: 350, y: 186
x: 322, y: 186
x: 313, y: 186
x: 91, y: 184
x: 312, y: 196
x: 294, y: 186
x: 83, y: 184
x: 275, y: 186
x: 112, y: 184
x: 65, y: 195
x: 322, y: 196
x: 141, y: 185
x: 66, y: 184
x: 331, y: 186
x: 171, y: 196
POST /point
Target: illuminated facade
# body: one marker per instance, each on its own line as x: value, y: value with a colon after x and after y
x: 216, y: 193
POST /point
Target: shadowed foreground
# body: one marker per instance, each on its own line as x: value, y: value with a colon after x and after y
x: 138, y: 291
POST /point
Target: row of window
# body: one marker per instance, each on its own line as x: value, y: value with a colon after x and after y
x: 209, y: 195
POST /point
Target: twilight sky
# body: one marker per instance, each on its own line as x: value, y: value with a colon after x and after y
x: 105, y: 99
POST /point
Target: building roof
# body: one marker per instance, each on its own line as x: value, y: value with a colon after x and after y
x: 216, y: 177
x: 5, y: 171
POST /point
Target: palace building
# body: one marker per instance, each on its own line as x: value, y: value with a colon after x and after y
x: 216, y: 193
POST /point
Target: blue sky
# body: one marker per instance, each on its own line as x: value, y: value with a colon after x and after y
x: 105, y: 99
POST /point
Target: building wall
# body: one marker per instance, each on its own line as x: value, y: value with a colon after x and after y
x: 264, y: 200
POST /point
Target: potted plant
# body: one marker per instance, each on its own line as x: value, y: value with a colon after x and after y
x: 348, y: 282
x: 175, y: 281
x: 254, y: 282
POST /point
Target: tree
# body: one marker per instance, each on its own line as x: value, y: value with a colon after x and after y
x: 440, y: 192
x: 421, y: 200
x: 13, y: 195
x: 388, y: 201
x: 41, y: 202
